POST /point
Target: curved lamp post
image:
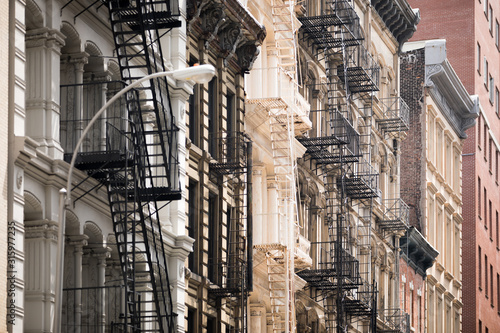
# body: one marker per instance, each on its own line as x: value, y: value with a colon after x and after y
x: 199, y: 74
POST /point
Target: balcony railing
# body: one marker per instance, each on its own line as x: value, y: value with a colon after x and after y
x: 396, y: 115
x: 100, y: 309
x: 361, y: 181
x: 395, y: 321
x: 231, y: 152
x: 79, y: 103
x: 396, y: 215
x: 360, y: 71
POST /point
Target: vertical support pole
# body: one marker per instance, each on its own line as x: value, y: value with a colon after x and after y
x: 249, y: 219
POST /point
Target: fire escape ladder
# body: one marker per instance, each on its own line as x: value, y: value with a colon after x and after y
x: 134, y: 192
x: 285, y: 35
x: 232, y: 166
x: 280, y: 279
x: 285, y: 165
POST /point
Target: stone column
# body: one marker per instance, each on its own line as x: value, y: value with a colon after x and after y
x: 78, y: 242
x: 40, y: 252
x: 43, y: 52
x: 101, y: 255
x: 273, y: 225
x: 258, y: 202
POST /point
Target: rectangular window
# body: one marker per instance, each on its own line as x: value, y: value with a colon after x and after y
x: 485, y: 129
x: 498, y: 292
x: 490, y: 152
x: 497, y: 100
x: 491, y: 220
x: 491, y: 284
x: 490, y: 18
x: 479, y: 58
x: 497, y: 153
x: 211, y: 324
x: 192, y: 227
x: 486, y: 72
x: 486, y: 276
x: 194, y: 111
x: 485, y: 207
x: 212, y: 117
x: 497, y: 31
x: 479, y: 189
x: 480, y: 268
x: 191, y: 321
x: 213, y: 226
x: 497, y: 229
x: 492, y: 85
x: 480, y: 327
x: 479, y: 131
x: 486, y: 8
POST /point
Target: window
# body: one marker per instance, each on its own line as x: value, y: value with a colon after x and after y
x: 492, y: 85
x: 498, y: 292
x: 485, y: 208
x: 212, y: 117
x: 479, y: 196
x: 497, y: 228
x: 480, y: 323
x: 485, y: 129
x: 491, y: 221
x: 490, y: 18
x: 486, y: 276
x: 486, y: 72
x: 479, y: 58
x: 191, y: 321
x: 491, y: 284
x: 480, y: 268
x: 479, y: 131
x: 486, y: 8
x: 497, y: 31
x: 192, y: 227
x: 496, y: 164
x: 490, y: 152
x: 497, y: 100
x: 213, y: 227
x: 194, y: 112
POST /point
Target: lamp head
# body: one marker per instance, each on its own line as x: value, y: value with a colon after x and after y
x: 199, y: 74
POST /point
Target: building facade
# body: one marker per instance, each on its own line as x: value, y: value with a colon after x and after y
x: 441, y: 112
x: 473, y: 50
x: 121, y: 257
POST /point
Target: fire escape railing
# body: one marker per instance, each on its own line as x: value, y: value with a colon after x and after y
x: 396, y: 215
x: 395, y: 321
x: 396, y: 115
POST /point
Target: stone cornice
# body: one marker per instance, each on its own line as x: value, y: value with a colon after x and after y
x: 399, y: 17
x: 228, y: 28
x: 458, y: 107
x: 420, y: 252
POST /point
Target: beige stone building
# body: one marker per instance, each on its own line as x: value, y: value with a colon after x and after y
x: 432, y: 157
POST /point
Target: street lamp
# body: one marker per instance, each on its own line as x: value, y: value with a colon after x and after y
x: 199, y: 74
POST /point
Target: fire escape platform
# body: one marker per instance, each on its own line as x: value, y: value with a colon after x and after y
x: 278, y: 107
x: 131, y: 16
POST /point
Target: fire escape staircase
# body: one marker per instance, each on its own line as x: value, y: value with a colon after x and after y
x: 233, y: 160
x: 141, y: 171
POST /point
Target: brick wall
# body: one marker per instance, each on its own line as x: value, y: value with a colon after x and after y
x: 413, y: 147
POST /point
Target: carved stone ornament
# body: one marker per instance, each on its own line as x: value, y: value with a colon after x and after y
x: 430, y: 71
x: 229, y: 37
x: 211, y: 18
x: 247, y: 54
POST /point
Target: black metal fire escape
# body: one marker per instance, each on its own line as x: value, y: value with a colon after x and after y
x: 138, y: 164
x: 342, y: 274
x: 232, y: 166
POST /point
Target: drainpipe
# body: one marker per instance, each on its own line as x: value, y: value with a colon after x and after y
x: 249, y: 218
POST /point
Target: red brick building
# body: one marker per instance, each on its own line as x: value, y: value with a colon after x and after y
x: 471, y: 28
